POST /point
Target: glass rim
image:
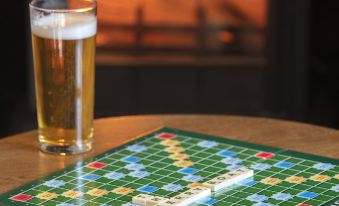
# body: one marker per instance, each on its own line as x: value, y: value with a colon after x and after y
x: 93, y: 5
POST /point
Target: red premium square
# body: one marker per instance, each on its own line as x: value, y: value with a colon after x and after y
x: 166, y: 136
x: 265, y: 155
x: 302, y: 204
x: 96, y: 165
x: 21, y: 197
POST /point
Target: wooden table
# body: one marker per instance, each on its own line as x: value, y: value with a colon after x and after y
x: 21, y: 161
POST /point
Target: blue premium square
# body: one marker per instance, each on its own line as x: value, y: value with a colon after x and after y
x: 335, y: 188
x: 261, y: 166
x: 262, y: 204
x: 226, y: 153
x: 139, y: 174
x: 131, y: 159
x: 208, y: 201
x: 192, y: 178
x: 135, y: 167
x: 247, y: 183
x: 148, y: 189
x: 307, y: 195
x: 284, y: 165
x: 282, y: 196
x: 234, y: 167
x: 207, y: 144
x: 257, y: 198
x: 115, y: 175
x: 55, y: 183
x: 129, y: 204
x: 188, y: 171
x: 136, y: 148
x: 323, y: 166
x: 231, y: 160
x: 172, y: 187
x: 91, y: 177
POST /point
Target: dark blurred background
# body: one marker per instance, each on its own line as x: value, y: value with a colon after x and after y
x: 265, y: 58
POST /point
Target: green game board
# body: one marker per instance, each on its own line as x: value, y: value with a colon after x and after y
x: 168, y: 162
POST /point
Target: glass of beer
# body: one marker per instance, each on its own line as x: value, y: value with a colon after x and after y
x: 63, y: 39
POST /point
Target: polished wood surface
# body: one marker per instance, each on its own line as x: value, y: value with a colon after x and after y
x: 22, y: 162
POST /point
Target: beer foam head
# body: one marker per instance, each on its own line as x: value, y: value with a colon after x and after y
x: 65, y: 26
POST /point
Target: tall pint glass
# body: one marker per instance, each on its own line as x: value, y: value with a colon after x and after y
x: 63, y: 40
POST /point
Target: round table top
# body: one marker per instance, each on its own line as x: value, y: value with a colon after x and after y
x: 22, y: 162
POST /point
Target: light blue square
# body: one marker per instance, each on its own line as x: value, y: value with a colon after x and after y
x: 207, y: 201
x: 284, y: 165
x: 115, y: 175
x: 257, y: 198
x: 136, y: 148
x: 323, y: 166
x: 188, y: 171
x: 335, y: 188
x: 247, y: 183
x: 131, y: 159
x: 139, y: 174
x: 226, y: 153
x: 130, y: 204
x: 207, y: 144
x: 261, y: 166
x: 231, y: 160
x: 307, y: 195
x: 234, y: 167
x: 172, y: 187
x: 54, y: 183
x: 135, y: 166
x: 91, y: 177
x: 282, y: 196
x: 148, y: 189
x: 192, y: 178
x: 262, y: 204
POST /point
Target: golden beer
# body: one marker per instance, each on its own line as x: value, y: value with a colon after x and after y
x: 64, y: 51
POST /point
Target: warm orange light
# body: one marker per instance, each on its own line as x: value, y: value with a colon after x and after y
x: 255, y: 11
x: 177, y: 23
x: 117, y: 11
x: 226, y: 37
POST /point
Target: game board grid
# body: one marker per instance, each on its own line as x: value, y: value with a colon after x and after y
x: 210, y: 155
x: 65, y: 174
x: 103, y: 169
x: 128, y: 183
x: 104, y: 183
x: 242, y: 190
x: 324, y: 191
x: 243, y: 159
x: 309, y: 187
x: 286, y: 188
x: 299, y: 172
x: 173, y: 172
x: 317, y: 184
x: 169, y: 170
x: 216, y: 163
x: 301, y: 160
x: 226, y: 197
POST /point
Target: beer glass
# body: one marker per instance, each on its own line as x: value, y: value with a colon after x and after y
x: 63, y: 41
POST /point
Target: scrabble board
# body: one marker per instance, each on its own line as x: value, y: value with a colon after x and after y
x: 169, y: 162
